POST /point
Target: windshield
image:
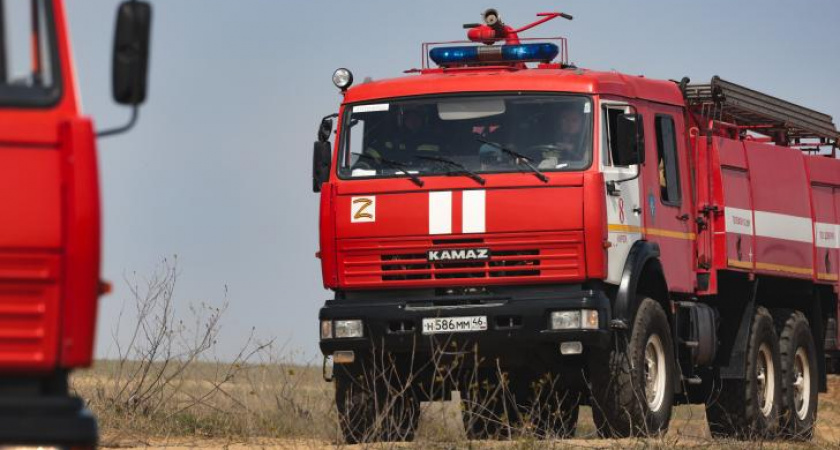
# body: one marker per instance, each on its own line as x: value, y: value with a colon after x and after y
x: 463, y: 135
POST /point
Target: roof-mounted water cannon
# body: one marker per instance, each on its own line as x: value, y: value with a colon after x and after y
x: 513, y: 53
x: 494, y: 30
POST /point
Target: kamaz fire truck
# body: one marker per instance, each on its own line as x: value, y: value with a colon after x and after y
x: 500, y: 219
x: 50, y: 216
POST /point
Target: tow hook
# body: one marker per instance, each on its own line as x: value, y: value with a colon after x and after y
x: 327, y: 370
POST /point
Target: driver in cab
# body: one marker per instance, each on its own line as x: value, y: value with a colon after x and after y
x: 400, y: 143
x: 565, y: 147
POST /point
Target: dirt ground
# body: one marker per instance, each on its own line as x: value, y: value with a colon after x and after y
x: 290, y: 407
x: 440, y: 428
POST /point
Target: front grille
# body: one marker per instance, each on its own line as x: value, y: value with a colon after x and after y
x: 413, y: 266
x: 544, y: 256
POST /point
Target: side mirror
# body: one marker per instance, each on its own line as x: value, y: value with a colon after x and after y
x: 321, y: 161
x: 131, y: 52
x: 630, y: 140
x: 325, y: 129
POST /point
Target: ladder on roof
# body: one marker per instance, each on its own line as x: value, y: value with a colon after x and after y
x: 752, y: 110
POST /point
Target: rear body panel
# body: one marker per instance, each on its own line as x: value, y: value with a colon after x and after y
x: 780, y: 211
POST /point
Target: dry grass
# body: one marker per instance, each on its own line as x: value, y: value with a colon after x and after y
x: 164, y: 391
x: 276, y: 405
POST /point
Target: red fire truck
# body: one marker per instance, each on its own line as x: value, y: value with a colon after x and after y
x: 50, y: 216
x: 499, y: 219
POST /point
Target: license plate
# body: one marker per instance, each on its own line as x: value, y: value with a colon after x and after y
x: 454, y: 324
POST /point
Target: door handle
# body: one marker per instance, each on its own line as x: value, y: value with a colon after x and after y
x: 684, y: 217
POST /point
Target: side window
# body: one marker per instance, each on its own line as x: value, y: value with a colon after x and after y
x: 666, y: 145
x: 28, y: 72
x: 610, y: 120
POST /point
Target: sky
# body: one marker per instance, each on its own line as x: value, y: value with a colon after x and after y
x: 218, y: 169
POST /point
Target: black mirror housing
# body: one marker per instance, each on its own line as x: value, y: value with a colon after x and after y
x: 131, y: 52
x: 321, y: 162
x: 325, y: 129
x: 630, y: 142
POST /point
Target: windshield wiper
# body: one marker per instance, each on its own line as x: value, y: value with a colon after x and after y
x: 462, y: 169
x: 393, y: 164
x: 518, y: 157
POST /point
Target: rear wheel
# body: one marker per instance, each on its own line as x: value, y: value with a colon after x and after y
x: 799, y: 378
x: 749, y: 408
x: 633, y: 384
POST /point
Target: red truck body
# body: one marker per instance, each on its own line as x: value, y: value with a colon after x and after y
x: 702, y: 219
x: 50, y: 235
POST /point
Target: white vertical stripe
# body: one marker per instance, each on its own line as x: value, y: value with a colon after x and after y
x: 828, y: 235
x: 783, y: 226
x: 440, y: 212
x: 473, y: 211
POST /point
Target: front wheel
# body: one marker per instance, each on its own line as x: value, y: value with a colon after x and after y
x: 633, y: 385
x: 372, y: 407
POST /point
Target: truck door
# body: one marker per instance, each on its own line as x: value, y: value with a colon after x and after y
x: 31, y: 202
x: 667, y: 201
x: 624, y: 220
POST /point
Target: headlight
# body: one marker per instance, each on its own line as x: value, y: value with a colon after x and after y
x: 348, y: 329
x: 585, y: 319
x: 342, y: 78
x: 565, y: 320
x: 326, y: 329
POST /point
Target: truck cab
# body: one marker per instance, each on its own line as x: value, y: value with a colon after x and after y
x: 50, y: 216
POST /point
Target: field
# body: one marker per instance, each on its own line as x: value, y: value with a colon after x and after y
x: 277, y: 405
x: 164, y: 390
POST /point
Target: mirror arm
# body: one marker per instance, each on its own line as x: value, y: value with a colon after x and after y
x: 612, y: 185
x: 121, y: 129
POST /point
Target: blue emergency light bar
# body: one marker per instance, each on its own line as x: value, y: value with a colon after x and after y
x: 490, y: 54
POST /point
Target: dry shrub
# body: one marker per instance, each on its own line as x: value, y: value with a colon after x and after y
x: 166, y: 380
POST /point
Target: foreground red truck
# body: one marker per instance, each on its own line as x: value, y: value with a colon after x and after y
x: 539, y: 236
x: 50, y: 216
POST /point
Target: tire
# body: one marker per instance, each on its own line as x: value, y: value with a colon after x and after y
x: 488, y: 407
x: 749, y: 408
x: 799, y: 378
x: 372, y: 409
x: 623, y: 403
x: 551, y: 409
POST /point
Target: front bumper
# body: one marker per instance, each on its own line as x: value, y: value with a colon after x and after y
x: 518, y: 323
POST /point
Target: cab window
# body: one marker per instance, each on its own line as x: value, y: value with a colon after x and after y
x: 28, y: 67
x: 668, y: 167
x: 611, y: 113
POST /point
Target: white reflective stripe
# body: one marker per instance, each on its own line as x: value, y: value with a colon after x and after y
x: 738, y: 220
x: 440, y: 212
x: 783, y: 226
x: 473, y: 213
x: 828, y: 235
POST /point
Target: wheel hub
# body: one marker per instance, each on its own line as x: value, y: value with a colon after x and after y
x: 655, y: 373
x: 766, y: 380
x: 801, y: 383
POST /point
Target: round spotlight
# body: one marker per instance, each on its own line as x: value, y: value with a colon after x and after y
x: 491, y: 17
x: 342, y: 78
